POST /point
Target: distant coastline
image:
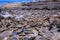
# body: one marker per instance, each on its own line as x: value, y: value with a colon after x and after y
x: 6, y: 2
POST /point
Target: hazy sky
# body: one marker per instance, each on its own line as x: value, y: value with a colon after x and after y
x: 18, y: 0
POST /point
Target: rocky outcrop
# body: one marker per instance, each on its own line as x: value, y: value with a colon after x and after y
x: 30, y: 21
x: 31, y: 27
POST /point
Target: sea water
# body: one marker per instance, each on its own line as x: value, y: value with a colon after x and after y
x: 3, y: 2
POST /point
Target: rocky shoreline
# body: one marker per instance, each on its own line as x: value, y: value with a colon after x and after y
x: 30, y: 27
x: 30, y: 21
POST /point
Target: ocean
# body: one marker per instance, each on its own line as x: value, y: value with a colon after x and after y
x: 11, y: 1
x: 5, y: 2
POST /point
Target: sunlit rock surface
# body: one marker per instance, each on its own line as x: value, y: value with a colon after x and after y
x: 28, y: 22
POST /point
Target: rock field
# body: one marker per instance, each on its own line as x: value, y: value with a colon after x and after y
x: 17, y: 24
x: 30, y: 27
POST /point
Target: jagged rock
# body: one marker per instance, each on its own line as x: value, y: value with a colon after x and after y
x: 31, y: 23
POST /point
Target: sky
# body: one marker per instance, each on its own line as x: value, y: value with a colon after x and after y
x: 17, y: 0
